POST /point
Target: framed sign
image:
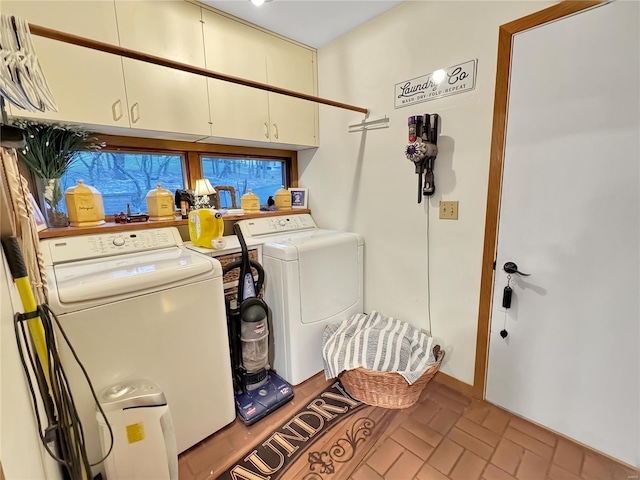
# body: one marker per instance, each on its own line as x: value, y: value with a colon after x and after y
x: 299, y: 197
x: 41, y: 223
x: 441, y: 83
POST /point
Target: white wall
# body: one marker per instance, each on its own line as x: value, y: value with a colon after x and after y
x: 363, y: 182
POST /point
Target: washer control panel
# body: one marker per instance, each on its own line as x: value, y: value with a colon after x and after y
x: 257, y: 227
x: 94, y: 246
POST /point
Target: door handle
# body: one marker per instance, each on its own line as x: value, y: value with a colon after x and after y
x: 135, y: 112
x: 266, y: 130
x: 275, y: 127
x: 511, y: 267
x: 116, y: 110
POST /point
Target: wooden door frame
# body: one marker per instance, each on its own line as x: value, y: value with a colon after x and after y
x: 500, y: 106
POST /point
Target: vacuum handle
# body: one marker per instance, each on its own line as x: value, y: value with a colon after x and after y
x: 238, y: 231
x: 260, y: 281
x: 238, y: 263
x: 245, y: 266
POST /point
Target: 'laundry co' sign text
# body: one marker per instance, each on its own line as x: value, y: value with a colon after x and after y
x: 441, y: 83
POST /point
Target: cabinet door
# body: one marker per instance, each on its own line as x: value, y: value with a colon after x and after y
x: 162, y: 98
x: 291, y: 66
x: 236, y: 49
x: 87, y: 85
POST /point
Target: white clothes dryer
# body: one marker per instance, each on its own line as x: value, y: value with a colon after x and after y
x: 138, y: 304
x: 313, y: 277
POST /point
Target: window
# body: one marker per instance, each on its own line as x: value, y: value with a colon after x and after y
x: 125, y: 178
x: 129, y: 167
x: 262, y: 176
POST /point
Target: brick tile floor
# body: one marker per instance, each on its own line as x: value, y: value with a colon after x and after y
x: 476, y: 440
x: 446, y: 436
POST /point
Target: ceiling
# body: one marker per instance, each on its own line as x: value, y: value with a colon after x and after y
x: 311, y: 22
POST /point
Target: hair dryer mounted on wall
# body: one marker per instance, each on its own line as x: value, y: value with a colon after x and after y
x: 423, y: 149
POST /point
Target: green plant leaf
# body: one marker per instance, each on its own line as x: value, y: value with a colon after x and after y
x: 51, y: 148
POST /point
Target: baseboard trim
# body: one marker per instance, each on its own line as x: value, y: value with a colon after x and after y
x: 454, y: 383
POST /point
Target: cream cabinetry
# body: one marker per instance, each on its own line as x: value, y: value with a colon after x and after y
x: 292, y: 67
x: 101, y: 89
x: 87, y: 85
x: 236, y: 49
x: 240, y: 112
x: 161, y: 98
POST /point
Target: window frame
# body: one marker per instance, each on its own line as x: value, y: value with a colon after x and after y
x: 109, y: 217
x: 192, y: 153
x: 251, y: 157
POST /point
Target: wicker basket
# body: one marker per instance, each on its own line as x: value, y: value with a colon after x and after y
x: 387, y: 389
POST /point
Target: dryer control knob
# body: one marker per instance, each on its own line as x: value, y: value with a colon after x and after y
x: 282, y: 223
x: 118, y: 241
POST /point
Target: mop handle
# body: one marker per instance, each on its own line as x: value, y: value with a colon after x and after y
x: 29, y: 304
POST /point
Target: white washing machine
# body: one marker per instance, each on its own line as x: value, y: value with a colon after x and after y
x: 138, y: 304
x: 313, y: 278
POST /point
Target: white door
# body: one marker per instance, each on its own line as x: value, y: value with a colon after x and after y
x: 570, y: 217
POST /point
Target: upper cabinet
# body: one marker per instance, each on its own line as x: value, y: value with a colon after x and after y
x: 236, y: 49
x: 87, y: 85
x: 291, y: 67
x: 101, y: 89
x: 162, y: 98
x: 240, y: 50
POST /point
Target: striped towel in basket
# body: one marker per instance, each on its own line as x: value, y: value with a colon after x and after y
x: 377, y: 343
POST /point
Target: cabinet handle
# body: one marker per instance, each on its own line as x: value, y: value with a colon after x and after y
x: 275, y: 127
x: 135, y: 112
x: 266, y: 130
x: 116, y: 110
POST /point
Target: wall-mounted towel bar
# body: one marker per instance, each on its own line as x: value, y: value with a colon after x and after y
x: 369, y: 124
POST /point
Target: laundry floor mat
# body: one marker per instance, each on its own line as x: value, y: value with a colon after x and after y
x: 446, y: 435
x: 325, y: 439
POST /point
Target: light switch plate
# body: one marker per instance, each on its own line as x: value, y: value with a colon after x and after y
x: 449, y: 210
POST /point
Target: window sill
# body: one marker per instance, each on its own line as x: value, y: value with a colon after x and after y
x: 111, y: 227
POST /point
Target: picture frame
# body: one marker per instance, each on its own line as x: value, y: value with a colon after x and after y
x: 299, y: 198
x: 41, y: 223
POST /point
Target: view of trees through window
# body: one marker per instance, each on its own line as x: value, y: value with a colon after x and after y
x: 262, y: 176
x: 125, y: 178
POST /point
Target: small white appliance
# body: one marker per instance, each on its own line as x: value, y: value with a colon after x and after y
x: 313, y: 277
x: 144, y: 440
x: 138, y: 304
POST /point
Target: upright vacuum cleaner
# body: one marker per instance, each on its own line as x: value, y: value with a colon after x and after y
x: 258, y: 390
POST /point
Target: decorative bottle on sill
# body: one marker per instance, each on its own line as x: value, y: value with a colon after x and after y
x: 283, y: 199
x: 85, y: 205
x: 160, y: 203
x: 250, y: 202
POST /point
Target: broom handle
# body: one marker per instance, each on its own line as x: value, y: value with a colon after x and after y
x: 29, y: 304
